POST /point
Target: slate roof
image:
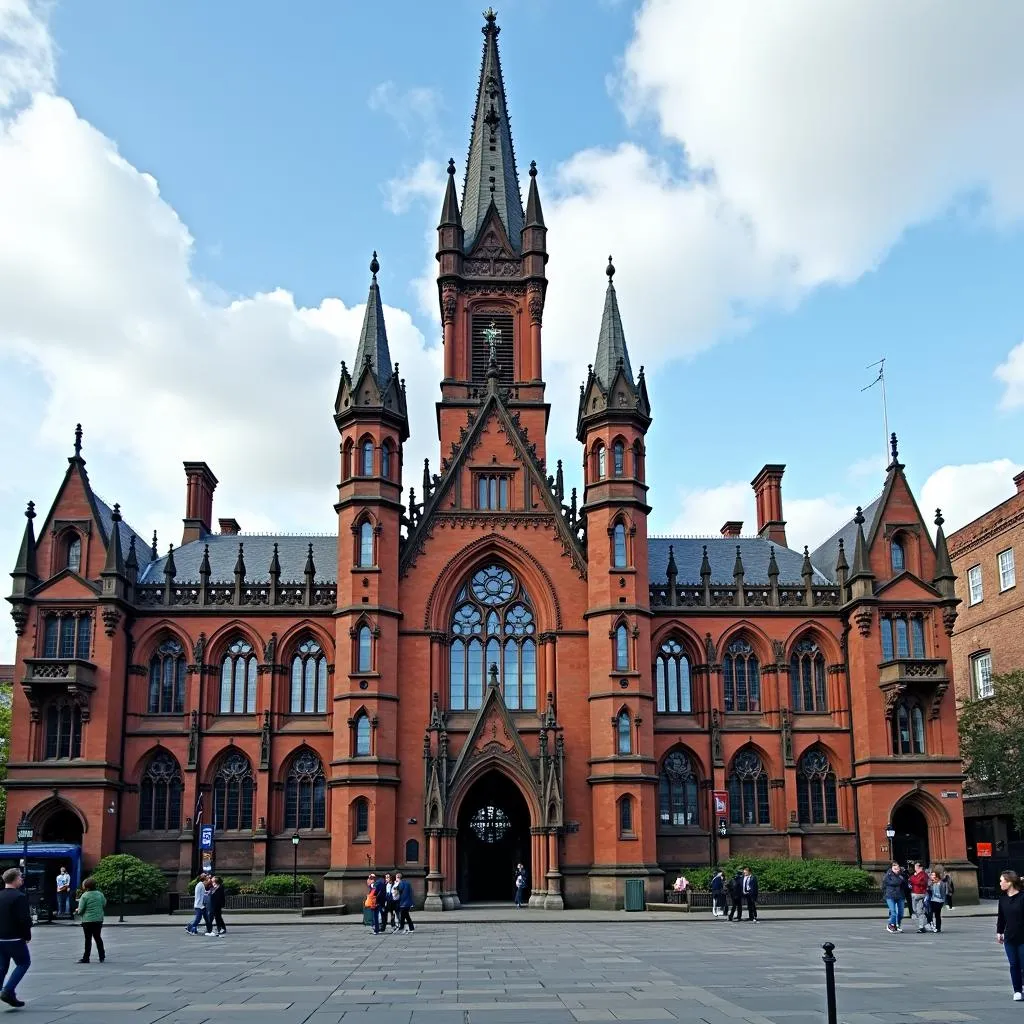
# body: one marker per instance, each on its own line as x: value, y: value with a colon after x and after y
x: 257, y: 551
x: 755, y: 552
x: 611, y: 342
x: 824, y: 556
x: 373, y: 338
x: 143, y: 551
x: 491, y: 155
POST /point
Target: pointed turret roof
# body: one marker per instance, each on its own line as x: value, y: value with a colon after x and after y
x: 945, y: 578
x: 534, y: 211
x: 373, y: 339
x: 450, y: 208
x: 491, y: 165
x: 26, y: 563
x: 611, y: 342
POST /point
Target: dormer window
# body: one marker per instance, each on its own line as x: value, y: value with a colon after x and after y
x: 897, y: 555
x: 73, y: 561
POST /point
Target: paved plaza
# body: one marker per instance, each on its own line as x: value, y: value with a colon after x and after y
x: 658, y: 969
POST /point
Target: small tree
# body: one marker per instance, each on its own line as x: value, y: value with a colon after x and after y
x: 143, y: 883
x: 992, y: 742
x: 5, y: 748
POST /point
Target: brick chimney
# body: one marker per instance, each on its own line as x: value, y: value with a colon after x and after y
x: 1019, y: 481
x: 200, y: 484
x: 229, y: 527
x: 768, y: 493
x: 733, y: 528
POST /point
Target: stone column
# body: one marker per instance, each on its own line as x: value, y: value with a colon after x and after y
x: 538, y: 867
x: 433, y: 900
x: 553, y: 900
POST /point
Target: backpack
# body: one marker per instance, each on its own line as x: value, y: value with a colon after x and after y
x: 520, y: 881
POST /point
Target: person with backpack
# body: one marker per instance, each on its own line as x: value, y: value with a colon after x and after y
x: 520, y: 885
x: 91, y: 906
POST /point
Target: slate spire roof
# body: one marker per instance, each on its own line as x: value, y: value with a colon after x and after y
x: 373, y: 339
x: 611, y: 342
x: 491, y: 165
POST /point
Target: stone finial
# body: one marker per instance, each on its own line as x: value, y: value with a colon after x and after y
x: 78, y: 440
x: 30, y: 510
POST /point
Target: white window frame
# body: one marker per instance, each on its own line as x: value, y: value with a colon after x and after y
x: 1007, y: 573
x: 981, y: 675
x: 974, y: 576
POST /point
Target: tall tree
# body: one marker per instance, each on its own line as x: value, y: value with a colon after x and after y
x: 5, y: 746
x: 992, y: 742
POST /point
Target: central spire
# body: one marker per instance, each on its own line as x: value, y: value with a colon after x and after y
x: 491, y: 165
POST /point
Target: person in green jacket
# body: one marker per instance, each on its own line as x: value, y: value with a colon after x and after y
x: 91, y: 905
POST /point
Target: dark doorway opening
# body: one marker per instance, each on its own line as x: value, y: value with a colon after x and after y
x: 911, y: 840
x: 494, y: 836
x: 62, y: 826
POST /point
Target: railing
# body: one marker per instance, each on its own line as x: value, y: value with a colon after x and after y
x: 699, y: 899
x: 256, y: 901
x: 690, y: 595
x: 60, y: 671
x: 252, y: 595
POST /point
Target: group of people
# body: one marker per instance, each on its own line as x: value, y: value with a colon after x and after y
x: 731, y: 896
x: 389, y: 900
x: 927, y: 892
x: 208, y: 903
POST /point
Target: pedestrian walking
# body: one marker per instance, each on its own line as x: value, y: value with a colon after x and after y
x: 1009, y: 928
x: 895, y: 891
x: 520, y: 886
x: 718, y: 894
x: 403, y: 896
x: 736, y: 896
x: 937, y: 893
x: 750, y: 893
x: 370, y: 902
x: 91, y: 906
x: 63, y: 892
x: 201, y: 906
x: 218, y: 897
x: 391, y: 902
x: 919, y: 897
x: 15, y: 935
x: 950, y: 888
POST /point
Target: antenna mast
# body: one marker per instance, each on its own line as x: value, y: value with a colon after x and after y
x: 880, y: 379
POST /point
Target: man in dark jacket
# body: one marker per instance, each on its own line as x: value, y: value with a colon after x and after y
x: 736, y: 896
x: 218, y: 897
x: 380, y: 911
x: 405, y: 902
x: 895, y: 891
x: 749, y: 886
x: 15, y: 935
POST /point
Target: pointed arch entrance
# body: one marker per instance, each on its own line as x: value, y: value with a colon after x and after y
x: 910, y: 843
x: 493, y: 837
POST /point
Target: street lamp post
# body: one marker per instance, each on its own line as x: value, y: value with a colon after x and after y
x: 295, y: 863
x: 890, y: 834
x: 124, y: 868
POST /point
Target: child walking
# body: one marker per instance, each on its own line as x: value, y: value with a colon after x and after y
x: 91, y: 905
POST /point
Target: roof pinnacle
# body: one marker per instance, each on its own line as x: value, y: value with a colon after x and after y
x: 374, y: 265
x: 610, y: 269
x: 30, y: 510
x: 78, y: 440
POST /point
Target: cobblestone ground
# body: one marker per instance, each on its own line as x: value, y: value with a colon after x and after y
x: 712, y: 972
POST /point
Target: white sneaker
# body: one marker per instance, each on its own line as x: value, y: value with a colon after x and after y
x: 1017, y: 997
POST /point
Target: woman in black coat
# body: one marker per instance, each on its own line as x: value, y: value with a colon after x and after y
x: 217, y: 899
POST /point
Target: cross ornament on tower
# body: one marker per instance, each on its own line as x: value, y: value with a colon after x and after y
x: 492, y: 335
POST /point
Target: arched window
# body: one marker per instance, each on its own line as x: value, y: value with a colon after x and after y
x: 618, y: 458
x: 364, y: 649
x: 816, y: 790
x: 366, y: 458
x: 412, y: 851
x: 748, y: 790
x: 899, y: 562
x: 672, y: 679
x: 167, y: 679
x: 160, y: 795
x: 907, y: 727
x: 638, y: 460
x: 366, y: 559
x: 677, y: 791
x: 626, y: 816
x: 305, y: 792
x: 621, y: 648
x: 600, y: 461
x: 807, y: 690
x: 385, y: 460
x: 741, y: 673
x: 233, y: 788
x: 623, y: 733
x: 362, y: 734
x: 238, y: 679
x: 73, y: 559
x: 493, y: 624
x: 63, y: 730
x: 346, y: 459
x: 361, y: 819
x: 309, y: 679
x: 619, y: 560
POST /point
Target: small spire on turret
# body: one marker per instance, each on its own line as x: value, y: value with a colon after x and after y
x: 773, y: 566
x: 672, y: 572
x: 737, y: 568
x: 275, y: 563
x: 240, y: 562
x: 131, y: 563
x: 944, y: 578
x: 807, y: 570
x: 170, y: 569
x: 114, y: 563
x: 705, y: 566
x: 153, y: 548
x: 559, y: 481
x: 310, y: 568
x: 78, y: 440
x: 204, y: 566
x: 842, y: 567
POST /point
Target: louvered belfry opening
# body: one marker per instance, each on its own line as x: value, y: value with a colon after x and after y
x: 479, y: 348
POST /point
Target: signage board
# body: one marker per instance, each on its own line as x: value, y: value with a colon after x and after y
x: 984, y: 849
x: 721, y: 800
x: 26, y: 834
x: 206, y: 837
x: 950, y: 794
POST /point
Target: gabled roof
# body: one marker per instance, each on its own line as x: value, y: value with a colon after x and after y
x: 755, y: 553
x: 824, y: 557
x: 105, y: 515
x: 491, y: 164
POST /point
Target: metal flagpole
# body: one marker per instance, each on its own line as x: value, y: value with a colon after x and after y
x: 880, y: 379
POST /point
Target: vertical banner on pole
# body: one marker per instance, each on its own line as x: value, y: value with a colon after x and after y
x: 206, y: 847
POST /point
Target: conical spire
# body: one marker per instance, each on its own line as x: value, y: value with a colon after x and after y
x: 534, y: 213
x: 611, y: 343
x: 737, y: 566
x: 170, y: 569
x: 204, y: 566
x: 672, y: 572
x: 705, y: 565
x: 310, y: 567
x: 373, y: 339
x: 115, y: 561
x: 275, y: 563
x: 26, y: 563
x: 806, y: 569
x: 773, y: 567
x: 240, y: 562
x: 131, y: 562
x: 491, y: 165
x: 450, y: 216
x: 861, y: 566
x: 842, y: 566
x: 945, y: 578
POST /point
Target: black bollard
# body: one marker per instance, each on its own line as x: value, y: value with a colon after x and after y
x: 830, y: 981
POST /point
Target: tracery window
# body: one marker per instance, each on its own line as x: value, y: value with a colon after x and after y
x: 63, y: 731
x: 363, y: 745
x: 366, y: 559
x: 167, y: 679
x: 748, y: 790
x: 160, y: 795
x: 493, y: 625
x: 233, y: 788
x: 672, y: 679
x: 807, y: 690
x: 305, y: 792
x: 73, y: 561
x: 677, y: 791
x: 490, y: 824
x: 619, y: 560
x: 623, y: 733
x: 816, y: 790
x: 67, y: 635
x: 741, y: 675
x: 238, y: 679
x: 309, y: 679
x: 621, y: 648
x: 907, y: 723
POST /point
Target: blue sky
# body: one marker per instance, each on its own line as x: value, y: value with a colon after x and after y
x: 788, y: 199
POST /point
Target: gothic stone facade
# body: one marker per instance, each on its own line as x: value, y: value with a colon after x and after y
x: 479, y: 668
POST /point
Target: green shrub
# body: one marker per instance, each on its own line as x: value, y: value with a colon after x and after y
x: 143, y: 883
x: 785, y: 875
x: 281, y: 885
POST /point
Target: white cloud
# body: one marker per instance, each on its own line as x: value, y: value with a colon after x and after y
x: 421, y: 183
x: 26, y: 52
x: 415, y: 110
x: 1011, y: 373
x: 965, y: 492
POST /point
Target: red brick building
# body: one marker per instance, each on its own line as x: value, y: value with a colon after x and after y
x: 989, y: 639
x: 480, y: 668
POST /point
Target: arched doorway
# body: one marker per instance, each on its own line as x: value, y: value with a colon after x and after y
x: 494, y: 836
x: 62, y: 825
x: 911, y: 840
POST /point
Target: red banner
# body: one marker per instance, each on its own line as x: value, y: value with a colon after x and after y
x: 721, y: 800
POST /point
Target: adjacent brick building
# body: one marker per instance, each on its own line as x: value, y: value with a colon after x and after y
x: 989, y: 638
x: 480, y: 667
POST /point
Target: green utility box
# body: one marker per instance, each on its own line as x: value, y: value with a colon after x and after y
x: 635, y: 894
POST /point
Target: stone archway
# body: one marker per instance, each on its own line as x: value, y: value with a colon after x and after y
x: 57, y: 822
x: 910, y: 843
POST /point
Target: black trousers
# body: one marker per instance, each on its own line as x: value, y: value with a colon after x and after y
x: 404, y: 920
x: 218, y: 920
x: 936, y: 909
x: 751, y: 907
x: 736, y: 907
x: 92, y: 930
